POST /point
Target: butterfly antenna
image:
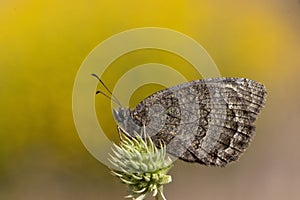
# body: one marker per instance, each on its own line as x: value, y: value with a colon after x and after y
x: 100, y: 92
x: 113, y: 98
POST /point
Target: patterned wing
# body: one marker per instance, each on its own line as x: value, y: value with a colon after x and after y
x: 207, y: 121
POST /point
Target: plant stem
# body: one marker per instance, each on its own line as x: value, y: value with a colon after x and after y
x: 160, y: 194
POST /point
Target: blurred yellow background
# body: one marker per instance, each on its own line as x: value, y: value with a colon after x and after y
x: 43, y: 43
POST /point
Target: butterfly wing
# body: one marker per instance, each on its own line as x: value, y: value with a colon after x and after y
x: 207, y: 121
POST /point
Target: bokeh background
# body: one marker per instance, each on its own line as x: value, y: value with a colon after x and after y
x: 43, y: 43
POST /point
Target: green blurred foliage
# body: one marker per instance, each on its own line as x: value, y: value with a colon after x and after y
x: 43, y: 43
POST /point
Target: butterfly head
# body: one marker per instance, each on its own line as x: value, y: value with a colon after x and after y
x: 125, y: 121
x: 121, y: 115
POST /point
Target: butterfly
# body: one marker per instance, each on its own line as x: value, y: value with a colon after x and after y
x: 208, y: 121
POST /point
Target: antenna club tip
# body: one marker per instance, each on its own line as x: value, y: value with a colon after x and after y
x: 97, y: 92
x: 94, y: 75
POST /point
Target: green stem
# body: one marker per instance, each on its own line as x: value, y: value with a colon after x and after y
x: 160, y: 194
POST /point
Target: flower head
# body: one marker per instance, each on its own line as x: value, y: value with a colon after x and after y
x: 141, y: 166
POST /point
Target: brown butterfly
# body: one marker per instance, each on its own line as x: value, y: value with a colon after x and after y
x: 209, y: 121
